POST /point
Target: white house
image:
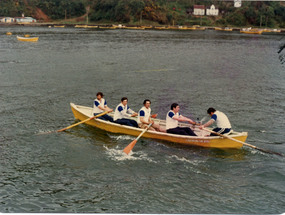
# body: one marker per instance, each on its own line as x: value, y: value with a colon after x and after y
x: 212, y: 11
x: 7, y: 19
x: 237, y: 3
x: 25, y: 19
x: 199, y: 10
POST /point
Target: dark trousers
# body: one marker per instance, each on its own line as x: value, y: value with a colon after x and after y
x: 221, y: 131
x: 128, y: 122
x: 181, y: 131
x: 105, y: 117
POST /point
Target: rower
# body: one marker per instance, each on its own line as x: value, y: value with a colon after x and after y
x: 99, y: 106
x: 222, y: 121
x: 122, y: 112
x: 144, y: 118
x: 172, y: 118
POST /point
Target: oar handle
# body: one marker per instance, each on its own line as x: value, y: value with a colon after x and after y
x: 144, y: 131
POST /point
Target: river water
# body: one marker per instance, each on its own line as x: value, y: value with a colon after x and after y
x: 84, y: 169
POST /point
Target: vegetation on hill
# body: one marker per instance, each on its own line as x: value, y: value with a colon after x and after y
x: 167, y: 12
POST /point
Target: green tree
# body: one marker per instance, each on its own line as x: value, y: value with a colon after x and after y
x: 236, y: 18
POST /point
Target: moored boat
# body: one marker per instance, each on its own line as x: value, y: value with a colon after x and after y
x: 28, y: 39
x: 86, y: 26
x: 83, y: 112
x: 251, y: 31
x: 223, y: 29
x: 227, y: 29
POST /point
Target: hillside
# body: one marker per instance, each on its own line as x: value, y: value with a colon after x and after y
x: 165, y: 12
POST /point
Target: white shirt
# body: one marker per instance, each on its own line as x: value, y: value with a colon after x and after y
x: 97, y: 104
x: 122, y: 112
x: 221, y: 120
x: 145, y: 113
x: 170, y: 122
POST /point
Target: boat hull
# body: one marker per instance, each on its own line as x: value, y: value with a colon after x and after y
x: 251, y: 32
x: 82, y: 113
x: 28, y: 39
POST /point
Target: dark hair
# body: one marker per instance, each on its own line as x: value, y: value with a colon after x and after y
x: 174, y: 105
x: 124, y: 98
x: 210, y: 110
x: 146, y: 100
x: 100, y: 93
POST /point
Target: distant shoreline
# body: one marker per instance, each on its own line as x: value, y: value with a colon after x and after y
x: 104, y: 26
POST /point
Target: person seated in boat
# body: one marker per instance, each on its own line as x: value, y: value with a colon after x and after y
x: 144, y: 117
x: 100, y: 106
x: 173, y: 117
x: 122, y: 111
x: 222, y: 121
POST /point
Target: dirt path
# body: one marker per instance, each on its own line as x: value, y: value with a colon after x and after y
x: 40, y: 15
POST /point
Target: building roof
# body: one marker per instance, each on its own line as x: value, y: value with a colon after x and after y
x: 199, y: 6
x: 211, y: 6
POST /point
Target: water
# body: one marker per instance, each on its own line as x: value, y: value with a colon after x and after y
x: 84, y: 169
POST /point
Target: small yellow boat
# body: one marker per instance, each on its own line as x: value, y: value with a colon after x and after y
x: 147, y: 27
x: 251, y: 31
x: 266, y: 30
x: 134, y: 28
x: 83, y: 112
x: 9, y: 33
x: 201, y: 28
x: 227, y: 29
x: 80, y: 26
x: 28, y: 39
x: 218, y: 29
x: 160, y: 28
x: 107, y: 27
x: 86, y: 26
x: 223, y: 29
x: 59, y: 26
x: 276, y: 30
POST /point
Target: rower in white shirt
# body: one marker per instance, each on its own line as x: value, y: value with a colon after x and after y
x: 99, y: 106
x: 222, y: 121
x: 144, y: 117
x: 173, y: 117
x: 123, y: 111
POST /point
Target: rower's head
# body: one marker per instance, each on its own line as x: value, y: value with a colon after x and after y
x: 99, y: 95
x: 124, y: 101
x: 175, y: 107
x: 147, y: 103
x: 211, y: 111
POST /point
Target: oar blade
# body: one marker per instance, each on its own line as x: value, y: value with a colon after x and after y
x: 246, y: 144
x: 129, y: 147
x: 154, y: 115
x: 269, y: 152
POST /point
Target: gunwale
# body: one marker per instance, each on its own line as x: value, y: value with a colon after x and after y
x: 83, y: 112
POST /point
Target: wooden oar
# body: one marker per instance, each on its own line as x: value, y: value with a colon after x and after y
x: 244, y: 143
x: 133, y: 143
x: 93, y: 117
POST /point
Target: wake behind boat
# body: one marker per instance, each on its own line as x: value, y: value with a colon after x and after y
x: 82, y: 113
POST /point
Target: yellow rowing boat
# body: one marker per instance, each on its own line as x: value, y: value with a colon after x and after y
x: 83, y: 112
x: 28, y: 39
